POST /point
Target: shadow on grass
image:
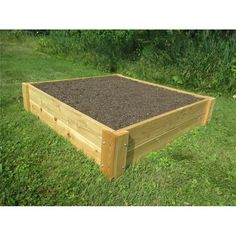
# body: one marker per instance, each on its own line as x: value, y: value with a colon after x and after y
x: 182, y: 156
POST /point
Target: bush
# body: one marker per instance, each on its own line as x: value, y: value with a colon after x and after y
x: 106, y: 47
x: 11, y: 35
x: 197, y: 59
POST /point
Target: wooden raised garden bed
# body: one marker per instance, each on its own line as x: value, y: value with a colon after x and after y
x: 114, y: 119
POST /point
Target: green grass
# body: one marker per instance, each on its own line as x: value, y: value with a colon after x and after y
x: 38, y: 167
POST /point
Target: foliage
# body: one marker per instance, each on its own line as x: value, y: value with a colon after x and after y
x: 106, y: 48
x: 12, y: 35
x: 197, y: 59
x: 234, y: 66
x: 202, y: 61
x: 38, y: 167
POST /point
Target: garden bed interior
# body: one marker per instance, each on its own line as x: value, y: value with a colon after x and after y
x: 114, y: 119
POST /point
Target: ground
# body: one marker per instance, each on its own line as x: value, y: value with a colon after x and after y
x: 38, y: 167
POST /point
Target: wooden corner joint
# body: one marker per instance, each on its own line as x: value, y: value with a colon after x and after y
x: 114, y: 153
x: 25, y: 93
x: 209, y: 110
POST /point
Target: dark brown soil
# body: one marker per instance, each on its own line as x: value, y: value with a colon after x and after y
x: 114, y: 101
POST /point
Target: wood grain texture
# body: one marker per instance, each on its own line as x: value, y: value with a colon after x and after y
x: 25, y: 94
x: 83, y: 124
x: 82, y: 131
x: 150, y: 129
x: 58, y: 80
x: 160, y: 141
x: 83, y: 144
x: 209, y: 110
x: 113, y: 153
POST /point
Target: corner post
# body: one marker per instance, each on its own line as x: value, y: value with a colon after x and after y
x: 114, y: 153
x: 209, y: 110
x: 25, y: 93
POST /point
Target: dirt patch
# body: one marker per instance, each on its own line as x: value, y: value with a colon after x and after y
x: 114, y: 101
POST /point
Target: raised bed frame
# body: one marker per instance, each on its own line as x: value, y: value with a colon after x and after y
x: 113, y: 150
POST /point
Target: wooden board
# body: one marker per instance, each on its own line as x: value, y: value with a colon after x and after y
x: 209, y: 110
x: 61, y: 128
x: 25, y: 94
x: 160, y: 141
x: 161, y: 86
x: 86, y: 126
x: 148, y: 130
x: 82, y: 131
x: 59, y: 80
x: 113, y: 153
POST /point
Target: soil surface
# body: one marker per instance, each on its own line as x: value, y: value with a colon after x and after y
x: 114, y: 101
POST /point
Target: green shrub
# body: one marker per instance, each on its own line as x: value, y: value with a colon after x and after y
x: 197, y: 59
x: 201, y: 60
x: 11, y: 35
x: 234, y: 66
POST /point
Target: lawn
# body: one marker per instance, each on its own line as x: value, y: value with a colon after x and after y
x: 38, y: 167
